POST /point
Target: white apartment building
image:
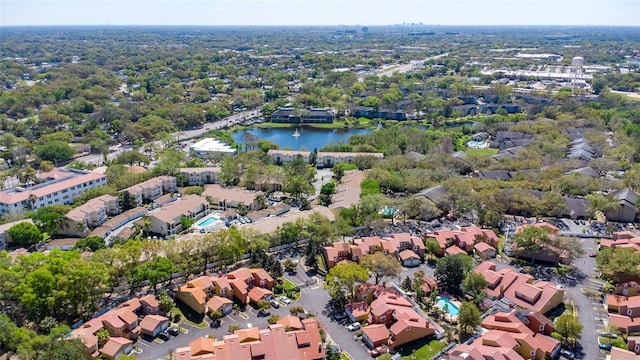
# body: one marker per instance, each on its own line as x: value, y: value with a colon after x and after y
x: 61, y: 186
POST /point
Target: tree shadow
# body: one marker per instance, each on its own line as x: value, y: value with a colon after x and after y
x: 189, y: 314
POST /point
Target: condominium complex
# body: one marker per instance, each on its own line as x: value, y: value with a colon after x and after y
x: 60, y: 186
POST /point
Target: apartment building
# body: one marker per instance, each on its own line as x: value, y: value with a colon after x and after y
x: 201, y: 176
x: 324, y: 159
x: 168, y: 220
x: 152, y: 188
x: 90, y: 215
x: 59, y: 186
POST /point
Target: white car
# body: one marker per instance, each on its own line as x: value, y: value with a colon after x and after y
x: 354, y: 326
x: 285, y: 299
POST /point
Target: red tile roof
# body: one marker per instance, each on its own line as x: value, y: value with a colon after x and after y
x: 376, y: 332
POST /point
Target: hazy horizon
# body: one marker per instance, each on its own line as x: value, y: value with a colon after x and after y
x: 320, y: 13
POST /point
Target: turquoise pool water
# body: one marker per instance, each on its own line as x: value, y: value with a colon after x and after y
x: 477, y: 145
x: 208, y: 221
x: 452, y: 308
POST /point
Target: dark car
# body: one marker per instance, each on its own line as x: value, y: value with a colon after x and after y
x: 164, y: 335
x: 173, y: 331
x: 339, y: 316
x: 604, y: 346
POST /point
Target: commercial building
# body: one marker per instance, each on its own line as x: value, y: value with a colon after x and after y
x: 59, y: 186
x: 210, y: 147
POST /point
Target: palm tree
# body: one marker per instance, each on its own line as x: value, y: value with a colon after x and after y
x: 32, y: 200
x: 146, y: 224
x: 261, y: 201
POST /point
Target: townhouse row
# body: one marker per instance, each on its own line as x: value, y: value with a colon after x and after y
x: 303, y: 341
x: 510, y: 335
x: 123, y: 326
x: 406, y: 246
x: 392, y: 319
x: 209, y: 293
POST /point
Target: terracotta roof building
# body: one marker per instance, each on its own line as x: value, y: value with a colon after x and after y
x: 273, y: 343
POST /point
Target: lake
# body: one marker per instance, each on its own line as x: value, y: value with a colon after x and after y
x: 309, y: 138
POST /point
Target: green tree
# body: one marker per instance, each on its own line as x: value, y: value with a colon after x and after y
x: 469, y: 318
x: 25, y: 234
x: 532, y: 239
x: 475, y: 284
x: 602, y: 203
x: 345, y: 277
x: 50, y: 218
x: 103, y: 336
x: 381, y: 265
x: 326, y: 191
x: 233, y: 328
x: 273, y: 319
x: 433, y: 247
x: 54, y: 151
x: 186, y: 222
x: 157, y: 270
x: 569, y: 327
x: 166, y: 302
x: 91, y: 243
x: 451, y: 270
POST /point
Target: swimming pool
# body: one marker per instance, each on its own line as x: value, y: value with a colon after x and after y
x: 478, y: 144
x: 209, y: 222
x: 451, y: 308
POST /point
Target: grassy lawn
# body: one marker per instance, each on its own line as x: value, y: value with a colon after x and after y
x: 482, y: 152
x: 619, y: 343
x: 189, y: 316
x: 321, y: 264
x: 288, y: 288
x: 421, y: 349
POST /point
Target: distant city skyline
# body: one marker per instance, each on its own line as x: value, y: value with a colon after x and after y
x: 320, y: 12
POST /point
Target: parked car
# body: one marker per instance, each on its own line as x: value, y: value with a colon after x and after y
x: 593, y: 254
x: 285, y: 299
x: 379, y: 351
x: 604, y: 346
x: 568, y: 354
x: 164, y: 335
x: 274, y: 303
x: 173, y: 331
x: 353, y: 326
x: 340, y: 315
x: 609, y: 335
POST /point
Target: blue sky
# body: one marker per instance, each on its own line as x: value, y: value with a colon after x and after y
x: 319, y: 12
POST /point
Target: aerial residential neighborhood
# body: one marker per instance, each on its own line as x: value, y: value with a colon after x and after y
x: 398, y: 191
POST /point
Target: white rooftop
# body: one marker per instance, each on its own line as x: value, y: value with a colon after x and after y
x: 212, y: 145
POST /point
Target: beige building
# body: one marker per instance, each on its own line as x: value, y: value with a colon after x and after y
x: 324, y: 159
x: 232, y: 197
x: 153, y: 188
x: 167, y: 221
x: 201, y: 176
x: 90, y: 215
